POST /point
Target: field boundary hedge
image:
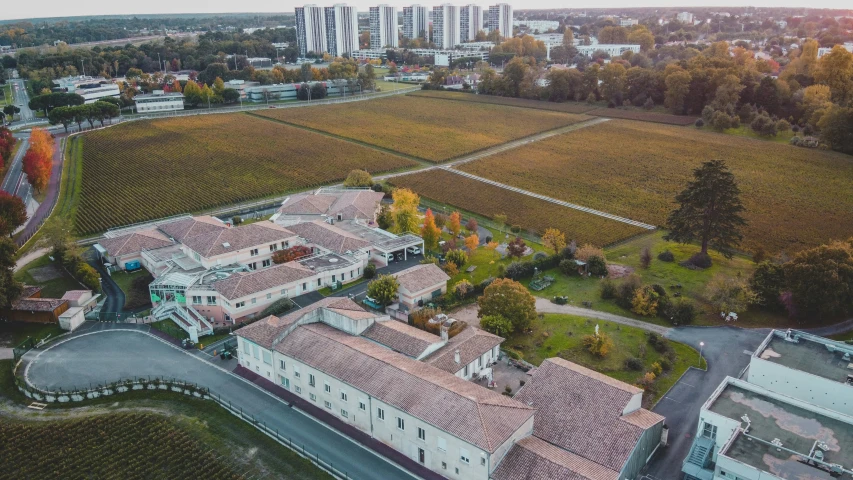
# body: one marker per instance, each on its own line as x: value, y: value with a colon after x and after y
x: 564, y: 107
x: 654, y: 117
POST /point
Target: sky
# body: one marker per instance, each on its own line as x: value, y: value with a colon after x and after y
x: 17, y: 9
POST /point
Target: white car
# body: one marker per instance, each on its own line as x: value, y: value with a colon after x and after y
x: 414, y: 250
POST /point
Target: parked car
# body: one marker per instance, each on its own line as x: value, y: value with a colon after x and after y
x: 414, y: 250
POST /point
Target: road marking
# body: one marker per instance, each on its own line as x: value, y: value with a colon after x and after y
x: 671, y: 399
x: 747, y: 352
x: 685, y: 383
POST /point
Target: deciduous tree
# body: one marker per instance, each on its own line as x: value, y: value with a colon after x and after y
x: 454, y: 223
x: 821, y: 279
x: 10, y: 289
x: 472, y: 242
x: 38, y: 161
x: 430, y: 232
x: 554, y: 239
x: 510, y: 300
x: 383, y: 289
x: 405, y: 211
x: 13, y: 213
x: 358, y: 178
x: 516, y: 248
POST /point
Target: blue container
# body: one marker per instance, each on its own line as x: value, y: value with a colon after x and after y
x: 132, y: 266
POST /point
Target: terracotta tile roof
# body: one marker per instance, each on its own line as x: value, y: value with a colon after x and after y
x: 580, y: 410
x: 360, y: 204
x: 192, y: 227
x: 258, y: 235
x: 134, y: 242
x: 307, y: 204
x: 461, y: 408
x: 643, y: 418
x: 532, y: 458
x: 421, y: 277
x: 76, y: 294
x: 38, y: 304
x: 264, y: 332
x: 471, y: 343
x: 29, y: 291
x: 401, y: 337
x: 328, y: 236
x: 241, y: 284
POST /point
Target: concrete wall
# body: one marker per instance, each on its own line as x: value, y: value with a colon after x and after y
x: 244, y: 256
x: 730, y: 469
x: 801, y: 385
x: 475, y: 367
x: 647, y: 444
x: 410, y: 299
x: 72, y: 318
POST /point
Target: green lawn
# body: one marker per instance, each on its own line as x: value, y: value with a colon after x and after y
x: 391, y: 86
x: 53, y: 288
x: 745, y: 131
x: 168, y: 327
x: 562, y: 336
x: 13, y: 333
x: 134, y: 297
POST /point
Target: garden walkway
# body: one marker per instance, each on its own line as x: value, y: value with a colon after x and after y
x: 545, y: 306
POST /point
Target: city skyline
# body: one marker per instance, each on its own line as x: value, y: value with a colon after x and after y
x: 56, y: 9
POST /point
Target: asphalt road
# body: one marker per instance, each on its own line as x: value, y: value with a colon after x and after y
x: 108, y: 355
x: 22, y: 100
x: 14, y: 174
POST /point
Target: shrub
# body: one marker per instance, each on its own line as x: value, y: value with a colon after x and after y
x: 511, y: 353
x: 633, y: 363
x: 597, y: 266
x: 763, y: 125
x: 699, y: 123
x: 485, y: 283
x: 497, y: 325
x: 590, y: 98
x: 645, y: 301
x: 698, y: 260
x: 463, y: 288
x: 568, y: 267
x: 517, y: 270
x: 608, y: 289
x: 451, y: 269
x: 657, y: 369
x: 679, y: 312
x: 660, y: 344
x: 759, y: 255
x: 540, y: 256
x: 665, y: 364
x: 377, y: 187
x: 666, y: 256
x: 458, y: 257
x: 88, y: 276
x: 795, y: 128
x: 369, y: 271
x: 783, y: 125
x: 358, y: 178
x: 277, y: 308
x: 588, y: 250
x: 625, y: 291
x: 561, y: 300
x: 598, y: 345
x: 646, y: 381
x: 546, y: 262
x: 420, y: 318
x: 649, y: 104
x: 236, y: 220
x: 646, y: 257
x: 568, y: 252
x: 515, y: 229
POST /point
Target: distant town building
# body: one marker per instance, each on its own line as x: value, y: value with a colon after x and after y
x: 91, y: 89
x: 310, y: 29
x: 445, y: 26
x: 159, y: 101
x: 416, y: 22
x: 383, y: 27
x: 537, y: 25
x: 824, y: 50
x: 628, y: 22
x: 500, y: 19
x: 470, y: 22
x: 685, y: 17
x: 341, y: 29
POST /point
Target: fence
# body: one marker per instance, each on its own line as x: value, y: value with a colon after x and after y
x: 20, y: 350
x: 195, y: 390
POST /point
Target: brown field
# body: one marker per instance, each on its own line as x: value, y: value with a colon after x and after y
x: 425, y: 128
x: 643, y: 116
x: 794, y: 197
x: 148, y: 170
x: 530, y: 213
x: 567, y: 107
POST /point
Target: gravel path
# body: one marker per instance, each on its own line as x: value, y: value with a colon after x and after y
x: 545, y: 306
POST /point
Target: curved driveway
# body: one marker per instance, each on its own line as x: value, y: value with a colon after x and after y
x: 109, y: 355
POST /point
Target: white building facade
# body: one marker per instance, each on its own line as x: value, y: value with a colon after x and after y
x: 470, y: 21
x: 341, y: 29
x: 311, y: 29
x: 445, y: 26
x: 159, y: 101
x: 416, y: 22
x: 383, y: 27
x: 500, y: 19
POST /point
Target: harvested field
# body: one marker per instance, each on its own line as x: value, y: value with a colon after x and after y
x: 425, y: 128
x: 148, y: 170
x: 567, y: 107
x: 644, y: 116
x: 794, y: 197
x: 530, y: 213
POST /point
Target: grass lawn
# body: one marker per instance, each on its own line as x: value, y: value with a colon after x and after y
x: 193, y: 433
x: 13, y: 333
x: 384, y: 86
x: 745, y: 131
x: 556, y: 335
x: 134, y: 297
x: 168, y: 327
x: 52, y: 288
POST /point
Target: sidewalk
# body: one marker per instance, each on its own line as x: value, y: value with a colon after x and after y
x: 30, y: 257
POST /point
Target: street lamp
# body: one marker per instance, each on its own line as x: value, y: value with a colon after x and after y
x: 701, y: 347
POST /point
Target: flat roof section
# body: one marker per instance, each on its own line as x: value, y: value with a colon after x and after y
x: 796, y: 428
x: 809, y: 355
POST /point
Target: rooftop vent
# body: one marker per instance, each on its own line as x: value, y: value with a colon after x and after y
x: 226, y: 245
x: 333, y: 260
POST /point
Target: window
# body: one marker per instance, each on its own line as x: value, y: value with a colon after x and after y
x: 282, y: 365
x: 709, y: 431
x: 442, y: 444
x: 196, y: 300
x: 284, y: 244
x: 362, y: 405
x: 311, y: 380
x: 284, y: 292
x: 253, y: 266
x: 304, y: 286
x: 464, y: 456
x: 246, y: 347
x: 267, y: 357
x: 239, y: 304
x: 344, y: 413
x: 319, y: 282
x: 296, y: 372
x: 266, y: 263
x: 344, y: 396
x: 421, y: 433
x: 333, y: 278
x: 269, y: 296
x: 298, y: 389
x: 255, y: 352
x: 478, y: 358
x: 401, y: 424
x: 466, y: 371
x: 327, y: 387
x: 254, y: 252
x: 380, y: 414
x: 313, y: 397
x: 444, y: 465
x: 254, y: 300
x: 328, y: 404
x: 211, y: 300
x: 273, y: 247
x: 285, y: 381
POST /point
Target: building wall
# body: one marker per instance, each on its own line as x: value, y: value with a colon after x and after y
x: 311, y: 29
x: 341, y: 29
x: 245, y: 256
x: 160, y: 105
x: 122, y: 260
x: 725, y: 429
x: 647, y: 444
x: 731, y: 469
x: 470, y: 22
x: 410, y: 299
x: 415, y: 22
x: 500, y: 18
x: 383, y: 27
x: 445, y: 26
x: 804, y: 386
x: 473, y: 368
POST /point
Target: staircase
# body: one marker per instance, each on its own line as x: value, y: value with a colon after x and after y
x: 185, y: 316
x: 696, y: 464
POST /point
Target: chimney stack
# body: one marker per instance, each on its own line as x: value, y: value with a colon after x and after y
x: 445, y: 332
x: 456, y: 356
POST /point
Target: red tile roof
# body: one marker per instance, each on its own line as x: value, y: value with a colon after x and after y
x: 401, y: 337
x: 471, y: 343
x: 38, y: 304
x: 242, y: 284
x: 421, y: 277
x: 329, y: 237
x: 532, y: 458
x: 134, y: 242
x: 258, y: 234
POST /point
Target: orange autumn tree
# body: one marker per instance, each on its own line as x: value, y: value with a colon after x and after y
x: 454, y: 224
x: 472, y: 241
x: 38, y: 160
x: 430, y: 232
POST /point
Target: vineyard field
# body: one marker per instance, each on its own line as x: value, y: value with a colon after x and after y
x: 567, y: 107
x: 642, y: 116
x: 529, y: 213
x: 426, y: 128
x: 121, y: 445
x: 147, y: 170
x: 794, y: 197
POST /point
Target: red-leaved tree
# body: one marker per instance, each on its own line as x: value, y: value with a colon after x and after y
x: 7, y: 144
x: 38, y: 161
x: 13, y: 213
x: 291, y: 254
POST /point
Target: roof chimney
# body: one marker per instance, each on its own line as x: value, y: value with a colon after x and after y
x: 456, y: 356
x: 445, y: 332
